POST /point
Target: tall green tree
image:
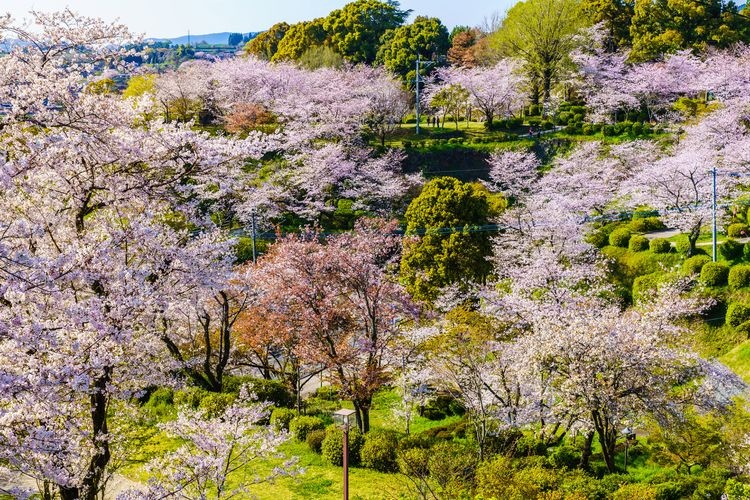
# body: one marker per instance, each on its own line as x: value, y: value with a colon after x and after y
x: 300, y: 38
x: 615, y: 16
x: 449, y: 246
x: 355, y: 30
x: 426, y: 37
x: 265, y: 45
x: 542, y: 34
x: 662, y: 26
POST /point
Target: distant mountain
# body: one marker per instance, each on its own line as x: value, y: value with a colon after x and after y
x: 211, y: 38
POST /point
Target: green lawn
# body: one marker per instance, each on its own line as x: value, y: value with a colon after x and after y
x: 738, y: 359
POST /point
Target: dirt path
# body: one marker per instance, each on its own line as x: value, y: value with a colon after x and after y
x: 11, y: 481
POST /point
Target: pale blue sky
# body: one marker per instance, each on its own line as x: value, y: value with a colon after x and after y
x: 171, y: 18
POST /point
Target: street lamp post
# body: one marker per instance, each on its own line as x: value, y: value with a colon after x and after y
x: 342, y: 418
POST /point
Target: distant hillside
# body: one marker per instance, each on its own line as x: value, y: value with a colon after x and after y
x: 211, y: 38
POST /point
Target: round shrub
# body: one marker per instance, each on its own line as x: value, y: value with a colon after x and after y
x: 215, y: 403
x: 379, y: 452
x: 660, y: 245
x: 731, y: 249
x: 693, y: 265
x: 638, y: 243
x: 644, y: 286
x: 714, y: 274
x: 636, y: 491
x: 190, y: 397
x: 739, y: 276
x: 302, y: 425
x: 737, y: 313
x: 682, y: 245
x: 564, y: 457
x: 413, y: 462
x: 333, y: 445
x: 272, y: 391
x: 620, y: 237
x: 315, y: 440
x: 280, y: 418
x: 737, y: 230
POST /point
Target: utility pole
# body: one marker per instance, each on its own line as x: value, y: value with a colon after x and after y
x: 713, y: 229
x: 255, y: 255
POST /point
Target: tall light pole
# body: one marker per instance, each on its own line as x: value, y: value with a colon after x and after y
x: 342, y: 418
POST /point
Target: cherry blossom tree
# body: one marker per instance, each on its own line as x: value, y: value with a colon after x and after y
x: 494, y: 91
x: 340, y: 300
x: 104, y: 230
x: 216, y: 449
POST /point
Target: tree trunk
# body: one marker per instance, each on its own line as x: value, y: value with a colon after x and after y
x: 693, y: 236
x: 607, y: 438
x: 586, y: 453
x: 68, y: 493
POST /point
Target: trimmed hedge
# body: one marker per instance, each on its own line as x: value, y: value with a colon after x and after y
x: 737, y: 230
x: 638, y: 243
x: 379, y: 452
x: 739, y: 276
x: 301, y: 426
x: 714, y: 274
x: 620, y: 237
x: 333, y: 445
x: 693, y: 265
x: 731, y: 249
x: 660, y: 245
x: 737, y: 313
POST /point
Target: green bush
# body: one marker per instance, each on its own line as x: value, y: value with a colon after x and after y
x: 421, y: 440
x: 272, y: 391
x: 693, y: 265
x: 638, y: 243
x: 637, y: 129
x: 160, y: 402
x: 414, y: 462
x: 529, y: 445
x: 281, y: 417
x: 682, y: 245
x: 379, y: 452
x: 644, y: 286
x: 739, y: 276
x: 315, y: 440
x: 564, y: 457
x: 620, y: 237
x: 302, y: 425
x: 190, y: 397
x: 333, y: 445
x: 731, y: 249
x: 215, y: 403
x: 714, y: 274
x: 746, y: 251
x: 636, y: 491
x: 737, y: 230
x: 587, y: 129
x: 453, y: 466
x: 660, y: 245
x: 737, y: 313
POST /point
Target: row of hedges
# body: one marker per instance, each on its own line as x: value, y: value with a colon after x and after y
x: 625, y: 128
x: 602, y: 236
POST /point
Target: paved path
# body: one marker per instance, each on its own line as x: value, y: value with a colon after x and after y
x: 669, y: 233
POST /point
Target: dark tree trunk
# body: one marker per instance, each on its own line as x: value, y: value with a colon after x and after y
x: 607, y: 439
x: 586, y: 453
